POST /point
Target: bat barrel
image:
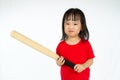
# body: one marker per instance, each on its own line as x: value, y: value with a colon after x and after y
x: 20, y: 37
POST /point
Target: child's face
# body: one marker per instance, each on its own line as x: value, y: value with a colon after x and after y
x: 72, y: 28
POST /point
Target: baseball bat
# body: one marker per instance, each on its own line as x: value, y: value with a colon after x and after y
x: 40, y: 48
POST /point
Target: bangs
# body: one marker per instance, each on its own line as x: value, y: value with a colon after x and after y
x: 72, y: 16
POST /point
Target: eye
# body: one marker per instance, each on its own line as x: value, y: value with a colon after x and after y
x: 75, y: 24
x: 67, y: 23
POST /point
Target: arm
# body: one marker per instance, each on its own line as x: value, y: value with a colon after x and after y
x: 81, y: 67
x: 88, y: 63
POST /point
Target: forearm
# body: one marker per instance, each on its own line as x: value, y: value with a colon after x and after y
x: 88, y: 63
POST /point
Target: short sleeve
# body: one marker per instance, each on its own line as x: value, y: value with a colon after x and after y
x: 90, y: 51
x: 58, y: 49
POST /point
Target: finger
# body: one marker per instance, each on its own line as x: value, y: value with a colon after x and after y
x: 61, y: 59
x: 75, y: 67
x: 58, y: 58
x: 63, y: 62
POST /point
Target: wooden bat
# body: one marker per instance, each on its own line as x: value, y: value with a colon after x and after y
x: 22, y: 38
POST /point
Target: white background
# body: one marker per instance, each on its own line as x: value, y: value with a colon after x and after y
x: 41, y: 20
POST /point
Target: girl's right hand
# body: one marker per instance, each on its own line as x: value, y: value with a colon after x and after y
x: 60, y: 61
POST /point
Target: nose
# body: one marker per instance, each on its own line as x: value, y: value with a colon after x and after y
x: 70, y: 26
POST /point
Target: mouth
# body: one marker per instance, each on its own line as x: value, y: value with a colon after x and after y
x: 70, y: 31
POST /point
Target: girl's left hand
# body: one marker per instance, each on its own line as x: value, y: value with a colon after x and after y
x: 79, y: 67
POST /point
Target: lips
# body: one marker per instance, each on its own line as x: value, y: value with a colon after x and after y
x: 70, y: 31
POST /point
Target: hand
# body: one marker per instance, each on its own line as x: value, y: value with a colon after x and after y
x: 79, y: 67
x: 60, y: 61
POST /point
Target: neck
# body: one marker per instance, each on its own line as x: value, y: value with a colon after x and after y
x: 73, y: 40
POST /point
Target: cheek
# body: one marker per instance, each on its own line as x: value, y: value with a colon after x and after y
x: 78, y: 29
x: 65, y: 29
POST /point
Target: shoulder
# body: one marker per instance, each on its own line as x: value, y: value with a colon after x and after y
x: 59, y: 46
x: 61, y: 43
x: 86, y: 42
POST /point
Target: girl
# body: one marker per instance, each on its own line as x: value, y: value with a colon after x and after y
x: 74, y: 46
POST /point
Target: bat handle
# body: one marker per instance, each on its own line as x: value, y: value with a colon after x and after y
x: 70, y: 64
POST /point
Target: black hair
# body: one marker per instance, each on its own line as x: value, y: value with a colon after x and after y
x: 76, y: 14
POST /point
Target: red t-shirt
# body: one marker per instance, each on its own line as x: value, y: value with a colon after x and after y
x: 78, y: 54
